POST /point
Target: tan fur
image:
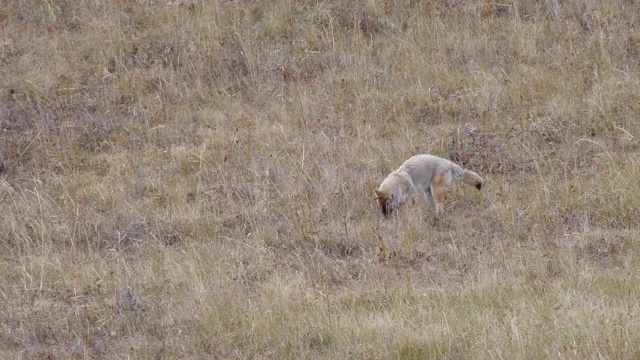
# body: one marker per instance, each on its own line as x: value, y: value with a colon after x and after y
x: 424, y: 173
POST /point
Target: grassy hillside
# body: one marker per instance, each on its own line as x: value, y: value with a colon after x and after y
x: 190, y: 179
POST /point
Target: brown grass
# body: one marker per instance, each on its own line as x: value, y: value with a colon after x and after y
x: 190, y: 179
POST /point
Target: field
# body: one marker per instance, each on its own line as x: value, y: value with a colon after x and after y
x: 185, y: 179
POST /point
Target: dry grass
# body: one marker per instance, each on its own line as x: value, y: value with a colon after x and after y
x: 191, y: 179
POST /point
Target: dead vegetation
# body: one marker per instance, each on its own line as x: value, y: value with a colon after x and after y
x: 185, y: 179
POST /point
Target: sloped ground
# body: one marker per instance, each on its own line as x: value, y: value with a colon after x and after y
x: 195, y: 179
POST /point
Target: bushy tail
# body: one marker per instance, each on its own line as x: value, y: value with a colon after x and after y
x: 466, y: 176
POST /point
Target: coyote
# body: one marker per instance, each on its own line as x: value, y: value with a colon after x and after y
x: 422, y: 173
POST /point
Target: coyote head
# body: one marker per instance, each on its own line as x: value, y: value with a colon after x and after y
x: 385, y: 201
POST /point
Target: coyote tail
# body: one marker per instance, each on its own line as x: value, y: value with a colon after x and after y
x: 466, y: 176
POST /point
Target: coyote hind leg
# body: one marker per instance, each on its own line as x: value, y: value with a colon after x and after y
x: 437, y: 194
